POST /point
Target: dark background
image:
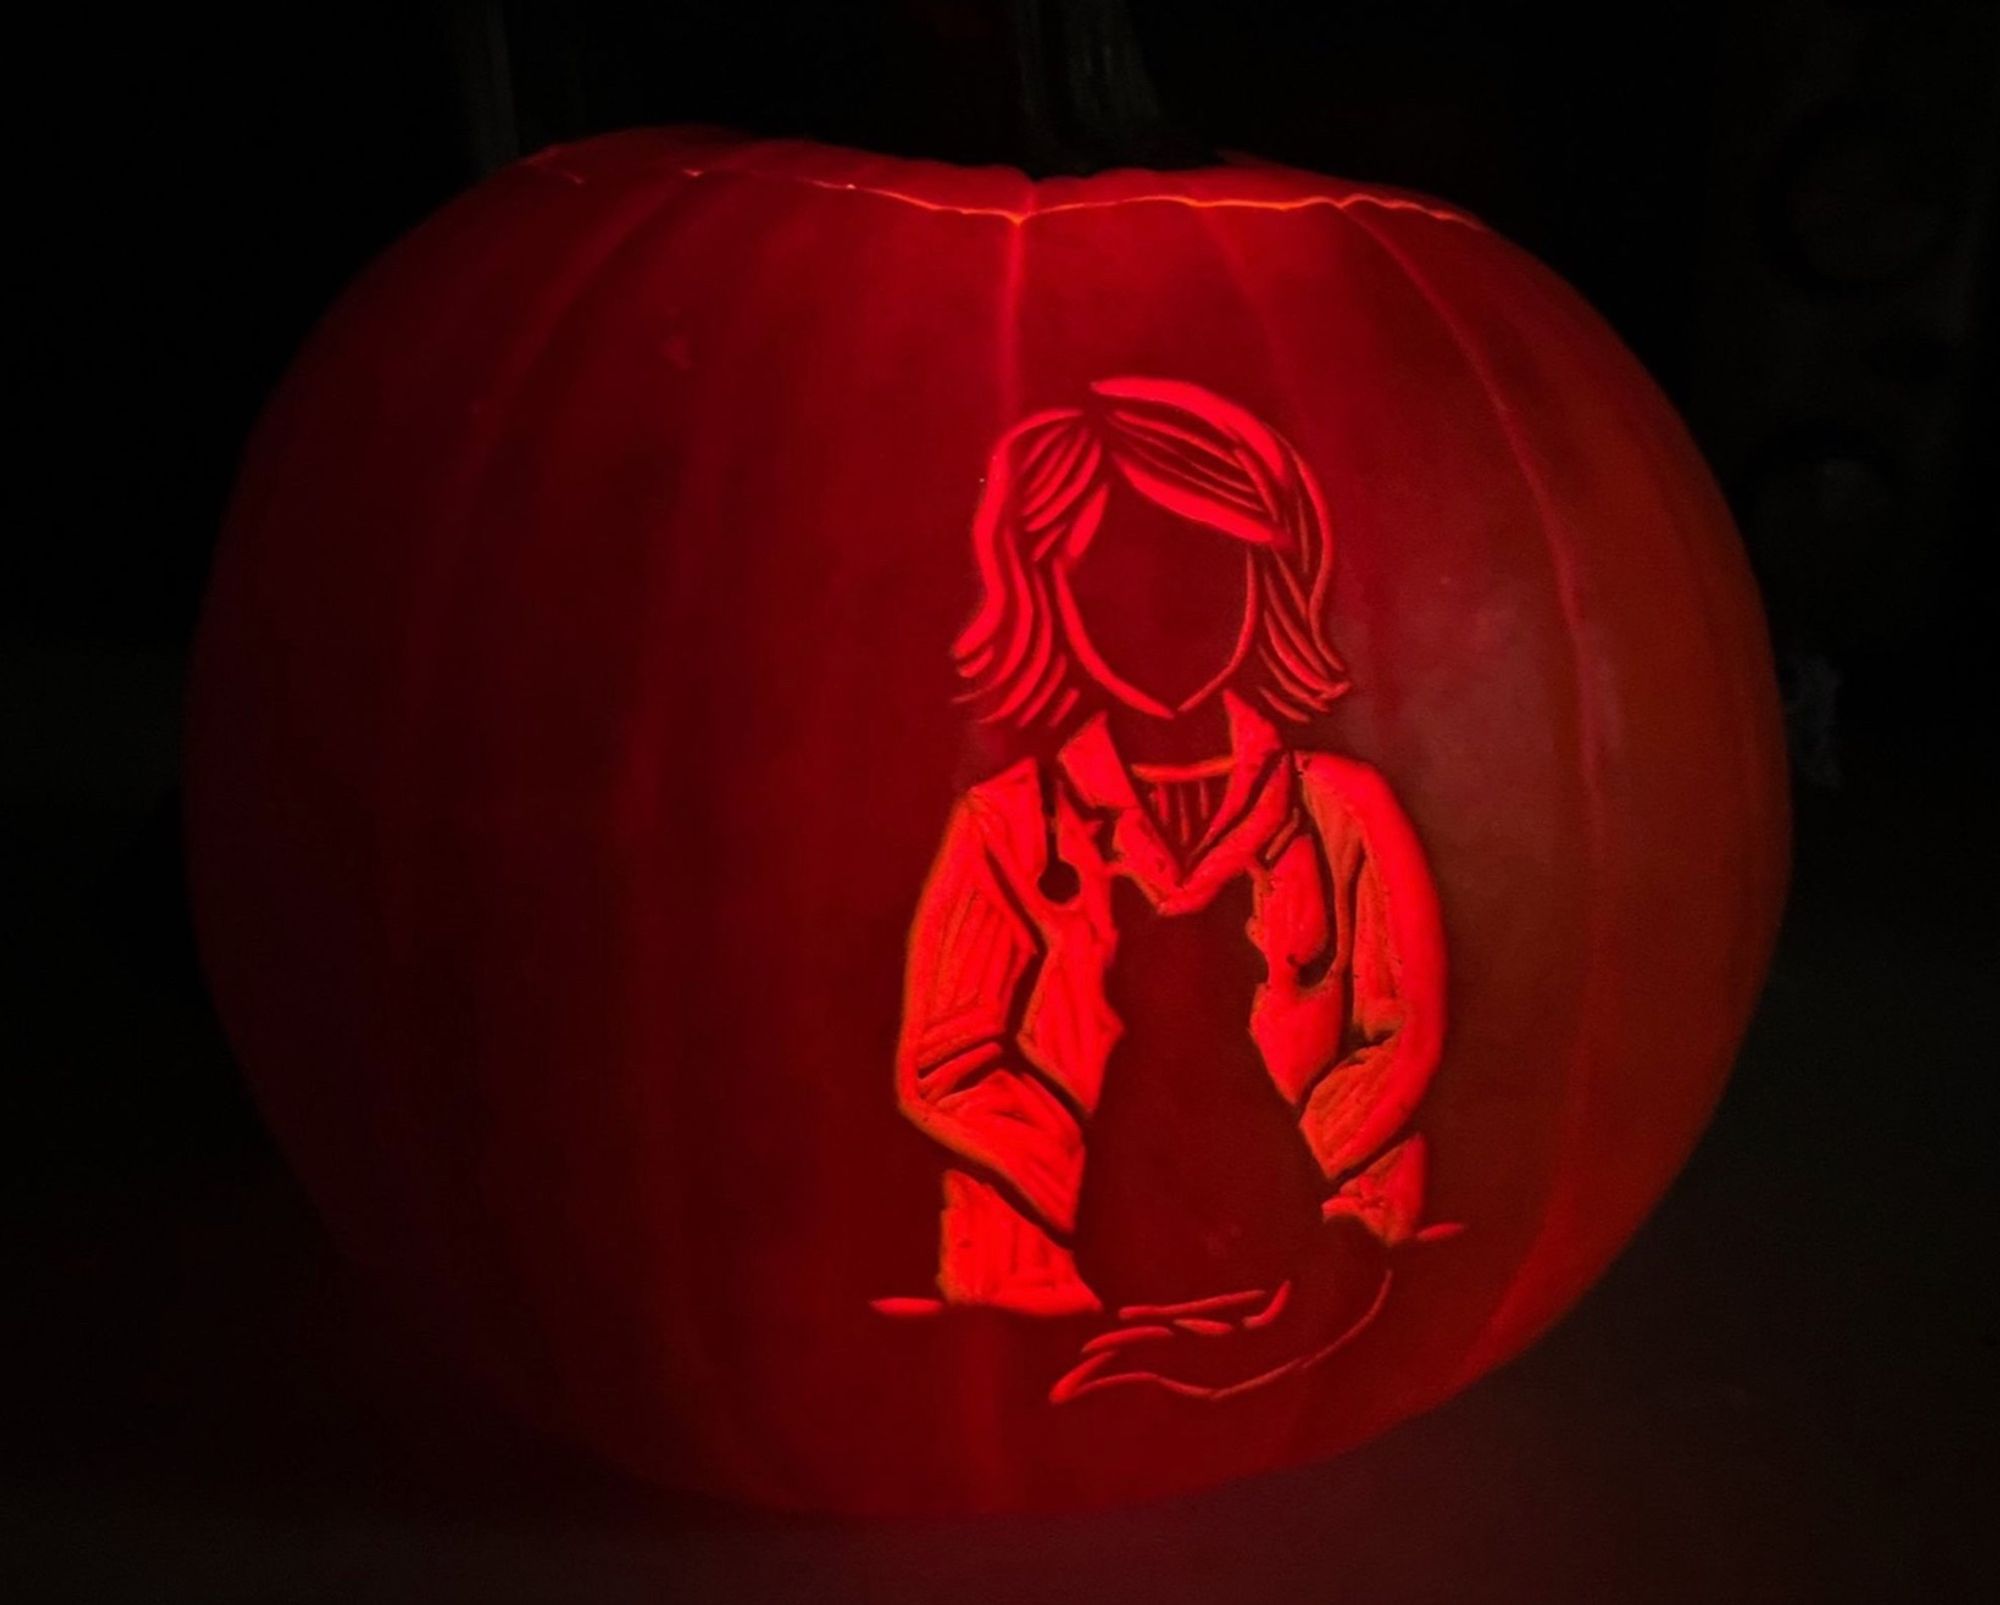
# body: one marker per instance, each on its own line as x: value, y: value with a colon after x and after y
x: 1782, y: 1392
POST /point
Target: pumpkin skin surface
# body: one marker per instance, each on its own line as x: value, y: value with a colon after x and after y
x: 592, y: 689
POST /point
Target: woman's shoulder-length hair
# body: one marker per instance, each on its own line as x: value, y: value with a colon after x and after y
x: 1190, y: 452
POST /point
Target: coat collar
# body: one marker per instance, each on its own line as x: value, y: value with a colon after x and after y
x: 1254, y: 802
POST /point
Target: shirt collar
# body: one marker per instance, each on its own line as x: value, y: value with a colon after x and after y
x: 1091, y: 761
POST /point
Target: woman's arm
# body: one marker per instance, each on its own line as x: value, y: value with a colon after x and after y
x: 1367, y: 1033
x: 960, y: 1075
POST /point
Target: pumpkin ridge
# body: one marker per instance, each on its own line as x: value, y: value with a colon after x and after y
x: 1652, y: 430
x: 1293, y: 1430
x: 1590, y: 741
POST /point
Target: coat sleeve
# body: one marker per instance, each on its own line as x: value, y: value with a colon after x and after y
x: 961, y: 1075
x: 1362, y: 1065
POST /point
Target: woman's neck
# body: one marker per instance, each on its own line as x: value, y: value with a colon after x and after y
x: 1200, y: 733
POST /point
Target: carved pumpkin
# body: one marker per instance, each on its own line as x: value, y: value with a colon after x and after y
x: 895, y: 838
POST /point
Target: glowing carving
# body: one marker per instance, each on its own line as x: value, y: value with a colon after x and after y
x: 1008, y: 1031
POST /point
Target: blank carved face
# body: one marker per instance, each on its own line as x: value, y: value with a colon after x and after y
x: 1150, y: 575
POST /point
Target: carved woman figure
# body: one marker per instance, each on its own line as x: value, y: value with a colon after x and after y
x: 1175, y: 983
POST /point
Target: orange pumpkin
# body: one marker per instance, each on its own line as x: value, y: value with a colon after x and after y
x: 902, y: 839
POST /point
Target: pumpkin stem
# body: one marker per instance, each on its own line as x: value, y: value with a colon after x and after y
x: 1087, y: 102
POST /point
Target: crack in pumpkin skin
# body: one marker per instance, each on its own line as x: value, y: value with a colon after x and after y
x: 551, y: 162
x: 1197, y: 203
